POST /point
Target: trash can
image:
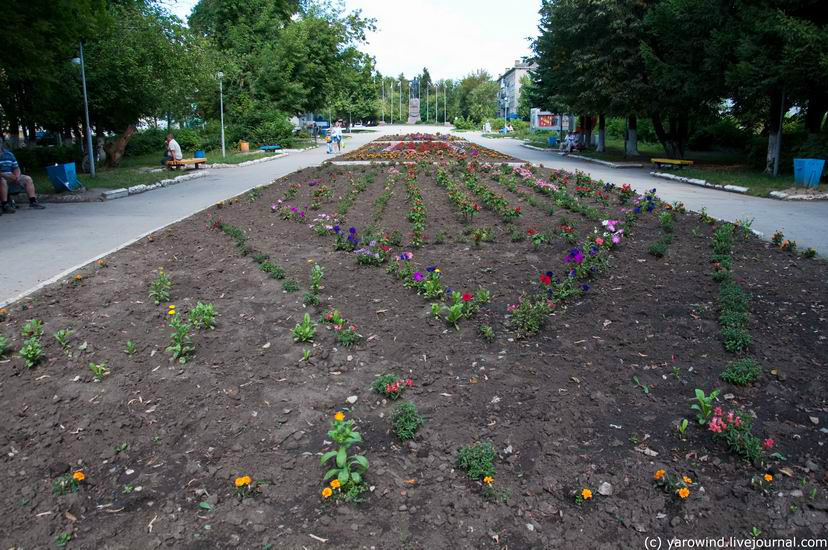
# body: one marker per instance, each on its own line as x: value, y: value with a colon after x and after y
x: 552, y: 141
x: 199, y: 154
x: 808, y: 171
x: 64, y: 177
x: 244, y: 146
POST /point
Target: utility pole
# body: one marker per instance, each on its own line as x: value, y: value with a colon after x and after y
x: 401, y: 101
x: 383, y: 101
x: 427, y: 87
x: 221, y: 109
x: 89, y: 150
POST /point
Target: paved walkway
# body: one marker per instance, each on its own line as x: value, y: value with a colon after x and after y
x: 806, y: 223
x: 42, y: 246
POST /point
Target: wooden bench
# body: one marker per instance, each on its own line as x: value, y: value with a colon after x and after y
x: 671, y: 163
x: 183, y: 163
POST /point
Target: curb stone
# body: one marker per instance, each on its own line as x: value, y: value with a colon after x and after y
x: 142, y: 188
x: 701, y: 183
x: 221, y: 165
x: 800, y: 197
x: 616, y: 165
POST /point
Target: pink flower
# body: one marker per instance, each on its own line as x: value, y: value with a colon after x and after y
x: 718, y: 411
x: 409, y: 382
x: 730, y: 417
x: 768, y: 443
x: 616, y: 239
x: 599, y: 241
x: 716, y: 425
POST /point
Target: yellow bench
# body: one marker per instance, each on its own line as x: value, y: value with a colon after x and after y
x: 183, y: 163
x: 671, y: 162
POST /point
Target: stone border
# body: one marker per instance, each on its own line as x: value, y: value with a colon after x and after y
x: 781, y: 195
x: 136, y: 189
x: 221, y: 165
x: 616, y: 165
x: 701, y: 183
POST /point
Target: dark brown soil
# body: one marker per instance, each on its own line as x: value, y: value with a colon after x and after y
x: 560, y: 407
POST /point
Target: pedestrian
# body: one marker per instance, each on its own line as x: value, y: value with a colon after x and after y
x: 10, y: 175
x: 329, y: 140
x: 337, y: 135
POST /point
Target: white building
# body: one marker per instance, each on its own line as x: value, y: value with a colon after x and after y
x: 509, y: 84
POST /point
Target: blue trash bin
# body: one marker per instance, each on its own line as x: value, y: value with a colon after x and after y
x: 552, y: 141
x: 199, y: 154
x: 808, y: 171
x: 64, y: 177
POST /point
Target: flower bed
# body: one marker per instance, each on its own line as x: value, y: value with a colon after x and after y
x: 424, y: 150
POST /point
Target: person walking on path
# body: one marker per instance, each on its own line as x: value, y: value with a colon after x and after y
x: 10, y: 175
x: 337, y: 135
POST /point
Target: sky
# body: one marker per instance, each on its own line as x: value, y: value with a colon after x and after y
x: 450, y: 37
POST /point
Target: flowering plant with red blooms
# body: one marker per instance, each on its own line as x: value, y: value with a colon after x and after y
x: 546, y: 279
x: 390, y: 387
x: 734, y: 428
x: 532, y: 232
x: 627, y: 193
x: 468, y: 297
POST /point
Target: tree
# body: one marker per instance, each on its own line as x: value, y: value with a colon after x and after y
x: 477, y: 96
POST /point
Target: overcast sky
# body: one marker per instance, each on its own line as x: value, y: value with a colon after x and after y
x: 450, y: 37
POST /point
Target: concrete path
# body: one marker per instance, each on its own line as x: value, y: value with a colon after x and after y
x: 39, y: 247
x: 805, y: 223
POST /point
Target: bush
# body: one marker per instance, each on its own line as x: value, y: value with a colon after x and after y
x: 735, y: 339
x: 461, y: 123
x: 146, y: 142
x: 406, y: 421
x: 32, y: 158
x: 724, y: 133
x: 742, y: 372
x: 477, y: 460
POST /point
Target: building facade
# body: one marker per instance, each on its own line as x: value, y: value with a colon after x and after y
x: 509, y: 84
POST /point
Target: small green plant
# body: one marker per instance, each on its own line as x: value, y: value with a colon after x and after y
x: 126, y: 488
x: 316, y: 279
x: 665, y: 220
x: 311, y: 299
x: 746, y: 226
x: 63, y: 539
x: 477, y: 460
x: 290, y: 286
x: 99, y: 371
x: 181, y: 345
x: 390, y: 386
x: 516, y: 235
x: 348, y: 336
x: 203, y: 316
x: 682, y: 427
x: 4, y: 345
x: 809, y: 253
x: 755, y: 532
x: 304, y: 331
x: 643, y: 387
x: 529, y: 315
x: 659, y: 248
x: 62, y: 336
x: 346, y: 469
x: 306, y: 354
x: 440, y: 237
x: 704, y: 405
x: 67, y: 483
x: 696, y: 233
x: 130, y: 349
x: 272, y: 269
x: 31, y: 352
x: 742, y: 372
x: 735, y: 339
x: 538, y: 238
x: 33, y: 328
x: 160, y: 287
x: 406, y: 420
x: 487, y: 332
x: 122, y: 447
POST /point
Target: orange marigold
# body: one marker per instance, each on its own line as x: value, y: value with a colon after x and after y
x: 243, y: 481
x: 339, y: 416
x: 79, y: 476
x: 684, y: 492
x: 335, y: 484
x: 586, y: 494
x: 659, y: 474
x: 687, y: 480
x: 327, y: 492
x: 768, y: 477
x: 488, y: 480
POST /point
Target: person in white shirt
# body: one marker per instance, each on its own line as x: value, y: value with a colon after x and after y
x: 336, y: 134
x: 173, y: 151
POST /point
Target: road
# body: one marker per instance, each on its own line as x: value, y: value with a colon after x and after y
x: 39, y: 247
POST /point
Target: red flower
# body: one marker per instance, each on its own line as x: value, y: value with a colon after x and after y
x: 409, y: 382
x: 467, y: 297
x: 388, y: 388
x: 546, y: 280
x: 476, y: 207
x: 385, y: 248
x: 517, y: 210
x: 768, y: 443
x: 532, y: 232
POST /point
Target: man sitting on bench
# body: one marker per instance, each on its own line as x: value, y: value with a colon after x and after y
x: 10, y: 175
x: 173, y: 151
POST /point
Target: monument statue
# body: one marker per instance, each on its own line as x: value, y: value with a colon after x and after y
x: 414, y: 102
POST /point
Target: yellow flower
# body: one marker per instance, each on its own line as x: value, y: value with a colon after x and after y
x: 687, y: 480
x: 437, y: 270
x: 171, y: 312
x: 243, y: 481
x: 488, y: 480
x: 327, y: 492
x: 339, y: 416
x: 78, y: 277
x: 335, y: 484
x: 659, y: 474
x: 684, y: 492
x: 768, y: 477
x: 586, y: 494
x: 78, y: 476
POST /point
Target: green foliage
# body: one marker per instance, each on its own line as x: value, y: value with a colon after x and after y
x: 99, y: 371
x: 704, y: 405
x: 160, y: 287
x: 181, y: 345
x: 665, y: 220
x: 346, y: 468
x: 31, y: 352
x: 487, y: 333
x: 659, y: 248
x: 32, y: 328
x: 740, y: 440
x: 735, y: 339
x: 405, y: 421
x: 742, y: 372
x: 389, y: 386
x: 62, y: 336
x: 290, y: 286
x: 477, y: 460
x: 203, y: 316
x: 304, y: 331
x: 64, y: 484
x: 529, y: 315
x: 348, y: 336
x: 130, y: 349
x: 4, y: 345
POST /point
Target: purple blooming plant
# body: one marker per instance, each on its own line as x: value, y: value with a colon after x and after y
x: 417, y: 276
x: 575, y: 256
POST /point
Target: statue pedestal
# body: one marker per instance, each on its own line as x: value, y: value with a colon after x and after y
x: 413, y: 110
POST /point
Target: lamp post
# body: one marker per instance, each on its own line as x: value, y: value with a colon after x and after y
x: 383, y: 101
x: 445, y: 104
x: 401, y: 101
x: 89, y: 151
x: 427, y: 87
x: 220, y: 76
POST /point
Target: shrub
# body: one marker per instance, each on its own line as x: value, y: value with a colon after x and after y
x: 742, y: 372
x: 406, y: 420
x: 477, y: 460
x: 735, y: 339
x: 529, y: 315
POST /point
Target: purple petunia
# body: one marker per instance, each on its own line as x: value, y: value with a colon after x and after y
x: 431, y: 269
x: 352, y: 231
x: 417, y: 276
x: 575, y: 256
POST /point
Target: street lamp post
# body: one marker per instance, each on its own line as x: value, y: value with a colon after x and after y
x: 89, y: 151
x: 445, y: 104
x: 401, y: 101
x: 427, y: 87
x: 383, y: 101
x: 220, y: 76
